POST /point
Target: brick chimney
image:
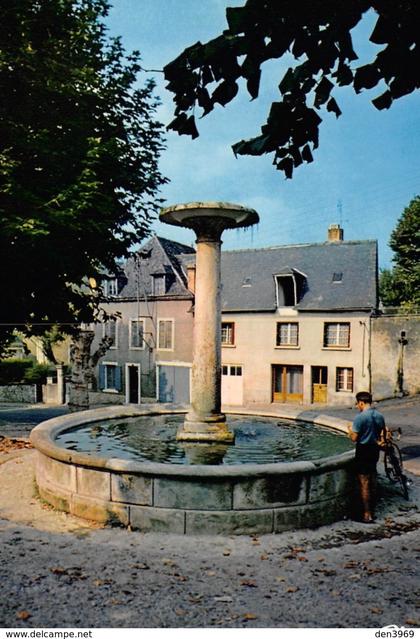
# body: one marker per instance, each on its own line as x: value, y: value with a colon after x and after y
x: 335, y: 233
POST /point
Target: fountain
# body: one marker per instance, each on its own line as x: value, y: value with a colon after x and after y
x: 204, y: 495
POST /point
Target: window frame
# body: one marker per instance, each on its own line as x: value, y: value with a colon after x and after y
x: 232, y: 330
x: 106, y: 388
x: 288, y: 344
x: 345, y: 370
x: 130, y: 334
x: 172, y: 322
x: 337, y: 345
x: 113, y: 346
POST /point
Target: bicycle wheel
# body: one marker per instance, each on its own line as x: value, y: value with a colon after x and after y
x: 393, y: 467
x: 393, y: 462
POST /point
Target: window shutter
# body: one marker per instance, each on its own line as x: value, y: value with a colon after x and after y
x: 118, y: 378
x: 101, y: 376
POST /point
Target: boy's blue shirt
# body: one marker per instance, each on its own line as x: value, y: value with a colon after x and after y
x: 368, y: 425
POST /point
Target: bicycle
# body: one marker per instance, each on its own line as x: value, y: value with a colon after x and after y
x: 393, y: 463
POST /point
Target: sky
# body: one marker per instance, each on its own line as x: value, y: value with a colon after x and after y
x: 365, y: 171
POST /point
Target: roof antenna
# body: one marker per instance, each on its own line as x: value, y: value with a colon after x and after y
x: 340, y: 212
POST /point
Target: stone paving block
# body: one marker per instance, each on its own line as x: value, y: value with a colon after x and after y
x: 57, y: 472
x: 132, y: 489
x: 271, y: 491
x: 326, y: 485
x: 207, y: 494
x: 94, y: 482
x: 157, y: 519
x: 229, y: 522
x: 99, y: 510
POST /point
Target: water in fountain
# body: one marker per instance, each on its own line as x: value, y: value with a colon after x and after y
x: 258, y: 440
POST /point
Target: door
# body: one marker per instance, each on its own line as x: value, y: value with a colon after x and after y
x: 132, y: 384
x: 319, y: 384
x: 173, y: 384
x: 287, y: 383
x: 232, y: 385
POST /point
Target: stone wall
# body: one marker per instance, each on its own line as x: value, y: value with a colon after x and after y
x: 19, y: 393
x: 395, y: 365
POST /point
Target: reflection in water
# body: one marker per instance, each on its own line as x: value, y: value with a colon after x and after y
x: 258, y: 440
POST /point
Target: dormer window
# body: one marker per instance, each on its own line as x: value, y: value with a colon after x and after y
x: 110, y: 287
x: 158, y: 284
x: 289, y: 287
x: 286, y: 290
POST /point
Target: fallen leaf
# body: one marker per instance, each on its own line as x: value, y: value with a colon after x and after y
x: 301, y: 558
x: 251, y: 583
x: 179, y: 612
x: 298, y: 549
x: 321, y: 558
x: 23, y: 614
x: 412, y: 622
x: 226, y: 553
x: 59, y: 571
x: 168, y: 562
x: 264, y: 557
x: 376, y: 611
x: 210, y: 573
x: 249, y: 616
x: 351, y: 564
x: 102, y: 582
x: 140, y: 566
x: 292, y: 589
x: 280, y: 578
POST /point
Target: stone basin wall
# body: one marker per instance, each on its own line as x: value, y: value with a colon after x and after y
x: 240, y: 499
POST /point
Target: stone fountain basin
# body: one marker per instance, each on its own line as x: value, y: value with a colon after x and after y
x: 196, y: 499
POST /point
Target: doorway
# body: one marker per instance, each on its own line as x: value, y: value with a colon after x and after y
x: 287, y: 383
x: 132, y: 384
x: 319, y: 384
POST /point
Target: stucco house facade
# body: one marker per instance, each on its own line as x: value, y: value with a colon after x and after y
x: 300, y: 324
x: 296, y: 322
x: 153, y: 327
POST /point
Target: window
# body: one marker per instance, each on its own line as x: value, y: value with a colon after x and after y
x: 344, y: 379
x: 110, y: 377
x: 337, y: 335
x: 337, y: 277
x: 137, y: 333
x: 111, y: 330
x: 158, y: 284
x: 287, y: 334
x: 165, y: 335
x: 286, y: 290
x: 228, y: 333
x: 233, y: 371
x: 112, y: 287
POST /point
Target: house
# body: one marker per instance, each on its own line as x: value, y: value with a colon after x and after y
x: 153, y: 328
x: 295, y: 321
x: 299, y: 324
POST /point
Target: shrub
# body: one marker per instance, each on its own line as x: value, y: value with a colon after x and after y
x: 12, y: 371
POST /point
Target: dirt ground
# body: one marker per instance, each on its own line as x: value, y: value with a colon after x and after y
x: 59, y: 571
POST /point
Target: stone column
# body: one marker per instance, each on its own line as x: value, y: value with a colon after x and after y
x: 61, y: 391
x: 204, y: 420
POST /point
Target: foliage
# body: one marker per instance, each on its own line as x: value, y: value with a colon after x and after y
x: 37, y: 374
x: 401, y: 285
x: 79, y: 147
x: 13, y: 370
x: 318, y: 35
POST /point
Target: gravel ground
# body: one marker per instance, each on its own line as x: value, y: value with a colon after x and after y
x: 57, y: 571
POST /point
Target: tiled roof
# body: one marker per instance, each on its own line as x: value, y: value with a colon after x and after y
x: 248, y: 276
x: 157, y: 256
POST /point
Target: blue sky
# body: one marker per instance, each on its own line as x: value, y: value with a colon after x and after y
x: 366, y: 169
